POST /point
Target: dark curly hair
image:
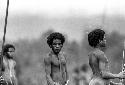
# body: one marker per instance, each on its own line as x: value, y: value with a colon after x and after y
x: 95, y: 36
x: 7, y: 46
x: 55, y: 35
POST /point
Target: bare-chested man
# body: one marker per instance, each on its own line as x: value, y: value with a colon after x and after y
x: 98, y: 60
x: 55, y: 61
x: 8, y: 68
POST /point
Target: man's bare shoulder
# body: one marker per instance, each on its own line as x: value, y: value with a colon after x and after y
x: 92, y: 56
x: 47, y: 58
x: 96, y: 52
x: 63, y: 57
x: 100, y: 55
x: 63, y: 54
x: 14, y: 62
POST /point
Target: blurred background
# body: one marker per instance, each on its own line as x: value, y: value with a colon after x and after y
x: 31, y: 21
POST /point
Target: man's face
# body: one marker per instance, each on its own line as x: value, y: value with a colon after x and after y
x: 103, y: 42
x: 56, y: 46
x: 11, y: 51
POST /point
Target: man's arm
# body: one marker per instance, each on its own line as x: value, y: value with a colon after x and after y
x: 48, y: 71
x: 106, y: 74
x: 67, y: 76
x: 13, y: 73
x: 104, y: 67
x: 113, y: 83
x: 14, y: 80
x: 0, y: 64
x: 65, y: 69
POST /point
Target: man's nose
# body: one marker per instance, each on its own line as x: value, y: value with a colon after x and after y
x: 57, y: 45
x: 104, y: 40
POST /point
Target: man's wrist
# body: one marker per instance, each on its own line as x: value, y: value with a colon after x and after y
x: 54, y: 83
x: 66, y: 82
x: 117, y: 76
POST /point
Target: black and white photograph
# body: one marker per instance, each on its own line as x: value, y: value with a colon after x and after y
x: 62, y: 42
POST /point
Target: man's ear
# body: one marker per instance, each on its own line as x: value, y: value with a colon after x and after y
x: 100, y: 41
x: 50, y: 46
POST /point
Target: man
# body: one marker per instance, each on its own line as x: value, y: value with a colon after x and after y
x: 8, y: 71
x: 98, y: 60
x: 55, y: 61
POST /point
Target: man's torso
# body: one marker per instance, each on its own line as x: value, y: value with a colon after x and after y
x: 9, y: 67
x: 95, y: 57
x: 58, y: 67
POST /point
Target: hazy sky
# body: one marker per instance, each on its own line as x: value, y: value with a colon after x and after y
x: 30, y: 18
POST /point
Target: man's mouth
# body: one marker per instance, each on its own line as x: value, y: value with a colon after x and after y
x: 57, y: 49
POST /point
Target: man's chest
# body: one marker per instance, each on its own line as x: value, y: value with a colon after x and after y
x: 8, y: 63
x: 57, y: 60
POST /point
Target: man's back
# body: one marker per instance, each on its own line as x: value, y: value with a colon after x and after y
x: 95, y: 57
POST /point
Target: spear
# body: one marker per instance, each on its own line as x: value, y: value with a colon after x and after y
x: 2, y: 54
x: 123, y: 64
x: 4, y: 33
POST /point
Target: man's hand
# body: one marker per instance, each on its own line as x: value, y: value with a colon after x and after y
x: 121, y: 75
x: 56, y: 83
x: 67, y: 82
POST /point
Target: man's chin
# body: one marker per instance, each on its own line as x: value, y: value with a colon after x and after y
x: 57, y: 51
x: 104, y: 48
x: 103, y: 45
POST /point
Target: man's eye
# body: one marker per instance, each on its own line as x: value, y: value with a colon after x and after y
x: 59, y: 43
x: 54, y: 44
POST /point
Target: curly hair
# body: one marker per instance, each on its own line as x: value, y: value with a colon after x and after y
x: 55, y: 35
x: 95, y: 36
x: 7, y: 46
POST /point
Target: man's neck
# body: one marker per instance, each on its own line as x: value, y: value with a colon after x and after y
x: 99, y: 48
x: 54, y: 53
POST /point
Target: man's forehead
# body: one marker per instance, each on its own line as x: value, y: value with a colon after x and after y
x: 56, y: 40
x: 11, y: 49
